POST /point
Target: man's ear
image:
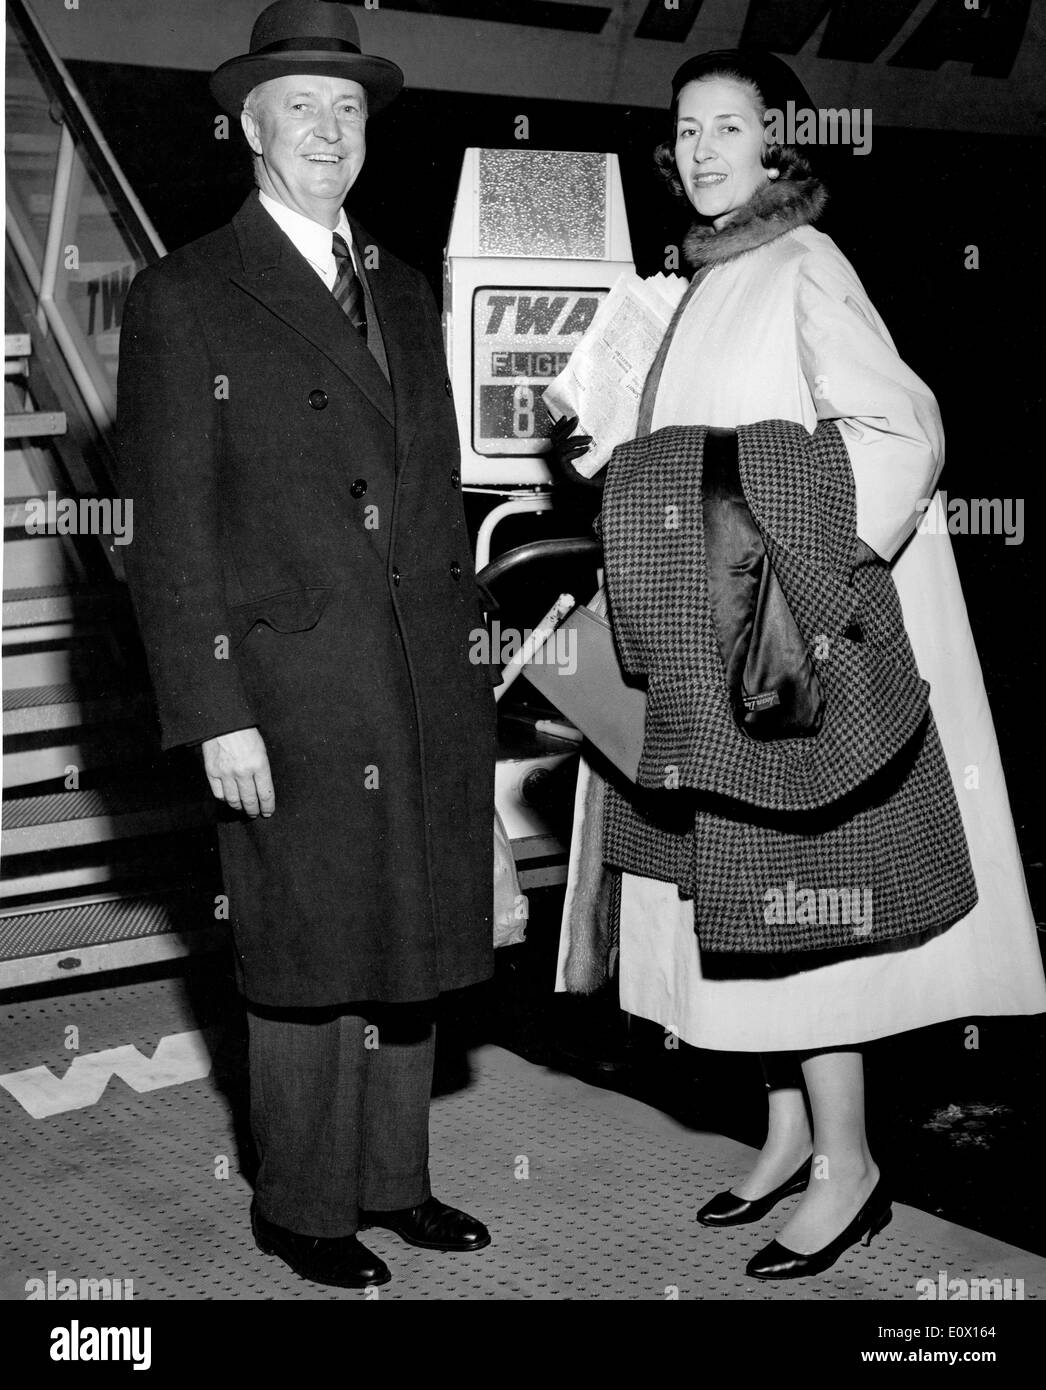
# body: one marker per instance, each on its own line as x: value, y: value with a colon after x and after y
x: 250, y: 129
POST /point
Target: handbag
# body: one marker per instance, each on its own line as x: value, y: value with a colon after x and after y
x: 581, y: 675
x: 770, y: 675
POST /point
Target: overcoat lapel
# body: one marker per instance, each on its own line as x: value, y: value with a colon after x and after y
x: 399, y: 318
x: 277, y: 276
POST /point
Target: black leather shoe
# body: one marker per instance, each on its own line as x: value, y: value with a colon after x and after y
x: 776, y: 1261
x: 432, y: 1226
x: 341, y: 1261
x: 727, y: 1210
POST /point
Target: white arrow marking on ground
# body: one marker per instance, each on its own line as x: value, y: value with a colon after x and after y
x: 178, y: 1058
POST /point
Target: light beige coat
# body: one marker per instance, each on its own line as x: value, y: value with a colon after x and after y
x: 786, y: 331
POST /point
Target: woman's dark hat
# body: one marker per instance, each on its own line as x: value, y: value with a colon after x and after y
x: 316, y: 37
x: 772, y: 75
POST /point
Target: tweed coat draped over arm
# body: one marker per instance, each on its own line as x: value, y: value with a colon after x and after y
x: 866, y: 804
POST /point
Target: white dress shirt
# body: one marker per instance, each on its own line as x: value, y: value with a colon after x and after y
x: 312, y: 239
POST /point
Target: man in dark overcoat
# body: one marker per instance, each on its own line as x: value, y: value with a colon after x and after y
x: 302, y: 576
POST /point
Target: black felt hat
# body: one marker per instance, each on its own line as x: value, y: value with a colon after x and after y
x: 314, y: 37
x: 776, y: 81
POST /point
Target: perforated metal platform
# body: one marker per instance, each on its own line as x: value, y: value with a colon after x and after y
x: 110, y: 1171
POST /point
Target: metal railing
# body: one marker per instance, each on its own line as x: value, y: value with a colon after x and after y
x: 74, y: 225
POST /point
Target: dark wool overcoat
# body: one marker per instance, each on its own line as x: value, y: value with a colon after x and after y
x: 300, y: 563
x: 865, y: 807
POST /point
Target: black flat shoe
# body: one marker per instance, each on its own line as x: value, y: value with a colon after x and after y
x: 776, y: 1261
x: 727, y: 1210
x: 341, y: 1261
x: 432, y: 1226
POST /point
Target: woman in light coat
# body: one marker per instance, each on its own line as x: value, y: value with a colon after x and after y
x: 780, y: 328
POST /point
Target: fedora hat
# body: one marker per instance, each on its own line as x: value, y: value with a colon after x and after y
x: 316, y: 37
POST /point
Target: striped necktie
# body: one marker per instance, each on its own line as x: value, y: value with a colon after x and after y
x: 347, y: 288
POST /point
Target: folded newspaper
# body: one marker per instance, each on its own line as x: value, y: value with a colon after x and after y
x: 603, y: 382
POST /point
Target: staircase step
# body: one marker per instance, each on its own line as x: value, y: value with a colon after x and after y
x: 71, y: 927
x: 71, y: 653
x: 15, y: 512
x: 32, y: 470
x: 59, y: 820
x: 87, y: 750
x: 33, y: 709
x: 31, y: 142
x: 123, y: 867
x: 44, y: 562
x: 111, y: 874
x: 54, y: 659
x: 35, y: 424
x: 54, y: 603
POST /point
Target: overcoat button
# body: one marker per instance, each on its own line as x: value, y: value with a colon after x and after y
x: 455, y: 478
x: 359, y: 487
x: 447, y: 387
x: 455, y: 570
x: 318, y: 400
x: 395, y: 576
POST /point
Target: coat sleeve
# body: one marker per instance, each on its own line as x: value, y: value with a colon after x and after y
x: 168, y: 435
x: 888, y: 418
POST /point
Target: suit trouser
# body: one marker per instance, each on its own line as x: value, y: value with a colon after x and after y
x: 340, y: 1113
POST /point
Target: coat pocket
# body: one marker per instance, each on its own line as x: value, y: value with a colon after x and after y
x: 292, y: 610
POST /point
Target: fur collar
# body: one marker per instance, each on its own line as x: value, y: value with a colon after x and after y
x: 774, y: 210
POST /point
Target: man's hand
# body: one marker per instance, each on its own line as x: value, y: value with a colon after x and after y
x: 237, y: 768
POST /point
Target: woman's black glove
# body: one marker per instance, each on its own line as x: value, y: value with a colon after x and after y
x: 563, y: 447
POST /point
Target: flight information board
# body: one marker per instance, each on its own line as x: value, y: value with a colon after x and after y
x: 522, y: 338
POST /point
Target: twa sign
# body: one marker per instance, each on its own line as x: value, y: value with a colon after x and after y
x: 178, y: 1058
x: 521, y: 339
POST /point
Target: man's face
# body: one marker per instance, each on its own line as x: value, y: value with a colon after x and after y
x: 309, y: 133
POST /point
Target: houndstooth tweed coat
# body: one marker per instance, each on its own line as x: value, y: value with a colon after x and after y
x: 853, y: 835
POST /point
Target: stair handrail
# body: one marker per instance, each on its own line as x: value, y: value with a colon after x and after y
x: 80, y: 138
x: 77, y: 115
x: 79, y: 129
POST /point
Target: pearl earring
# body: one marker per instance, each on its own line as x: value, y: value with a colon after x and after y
x: 773, y: 173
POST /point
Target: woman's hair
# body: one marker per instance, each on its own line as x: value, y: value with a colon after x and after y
x: 786, y: 159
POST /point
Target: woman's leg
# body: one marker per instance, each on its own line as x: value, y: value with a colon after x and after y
x: 844, y: 1171
x: 788, y: 1137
